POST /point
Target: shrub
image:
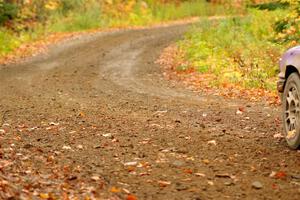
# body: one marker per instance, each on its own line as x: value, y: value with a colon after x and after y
x: 8, y: 11
x: 288, y: 29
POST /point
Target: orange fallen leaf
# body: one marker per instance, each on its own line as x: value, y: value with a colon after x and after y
x: 44, y: 196
x: 280, y: 175
x: 188, y: 171
x: 130, y: 168
x: 131, y: 197
x: 115, y: 190
x: 81, y: 114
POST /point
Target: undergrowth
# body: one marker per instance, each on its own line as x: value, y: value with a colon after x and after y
x: 237, y: 50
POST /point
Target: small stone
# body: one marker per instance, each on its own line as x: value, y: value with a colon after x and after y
x: 107, y: 135
x: 177, y: 121
x: 66, y: 147
x: 278, y: 135
x: 228, y: 183
x: 72, y: 177
x: 212, y: 142
x: 257, y: 185
x: 164, y: 183
x: 178, y: 163
x: 181, y: 187
x: 296, y: 176
x: 206, y: 161
x: 95, y: 178
x: 133, y: 163
x: 202, y: 125
x: 53, y: 123
x: 210, y: 183
x: 28, y: 146
x: 182, y: 150
x: 200, y: 174
x: 239, y: 112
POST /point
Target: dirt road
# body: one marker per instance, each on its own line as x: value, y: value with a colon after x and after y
x: 95, y: 118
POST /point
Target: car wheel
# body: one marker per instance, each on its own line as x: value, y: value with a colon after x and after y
x: 291, y: 108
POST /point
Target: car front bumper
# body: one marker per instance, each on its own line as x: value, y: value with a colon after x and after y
x: 280, y: 85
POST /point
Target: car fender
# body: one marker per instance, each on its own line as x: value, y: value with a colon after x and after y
x: 290, y: 58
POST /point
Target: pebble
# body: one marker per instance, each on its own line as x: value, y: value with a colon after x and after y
x: 66, y: 147
x: 133, y: 163
x: 296, y: 176
x: 228, y: 183
x: 107, y: 135
x: 257, y: 185
x: 181, y: 187
x: 178, y: 163
x: 182, y: 150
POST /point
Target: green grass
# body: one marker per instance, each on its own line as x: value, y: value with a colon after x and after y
x: 8, y: 42
x: 77, y: 21
x: 237, y: 50
x: 188, y: 9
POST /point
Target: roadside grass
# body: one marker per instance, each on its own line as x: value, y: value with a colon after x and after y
x: 87, y: 16
x: 8, y: 42
x: 238, y: 50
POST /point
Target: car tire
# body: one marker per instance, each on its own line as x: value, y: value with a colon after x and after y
x: 291, y: 110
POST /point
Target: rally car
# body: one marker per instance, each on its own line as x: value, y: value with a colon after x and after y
x: 288, y: 87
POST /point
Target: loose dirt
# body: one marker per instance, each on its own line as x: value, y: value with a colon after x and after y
x: 96, y: 118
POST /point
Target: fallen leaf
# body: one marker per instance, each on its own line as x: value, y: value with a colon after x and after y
x: 291, y: 134
x: 44, y: 196
x: 188, y: 171
x: 131, y: 197
x: 81, y: 114
x: 164, y: 183
x: 115, y: 190
x: 280, y: 175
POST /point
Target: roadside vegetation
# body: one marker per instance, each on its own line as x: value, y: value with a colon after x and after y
x: 24, y: 21
x: 241, y: 51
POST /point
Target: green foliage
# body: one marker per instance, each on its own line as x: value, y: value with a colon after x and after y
x: 288, y: 28
x: 68, y: 6
x: 77, y: 21
x: 8, y: 11
x: 237, y: 50
x: 273, y: 5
